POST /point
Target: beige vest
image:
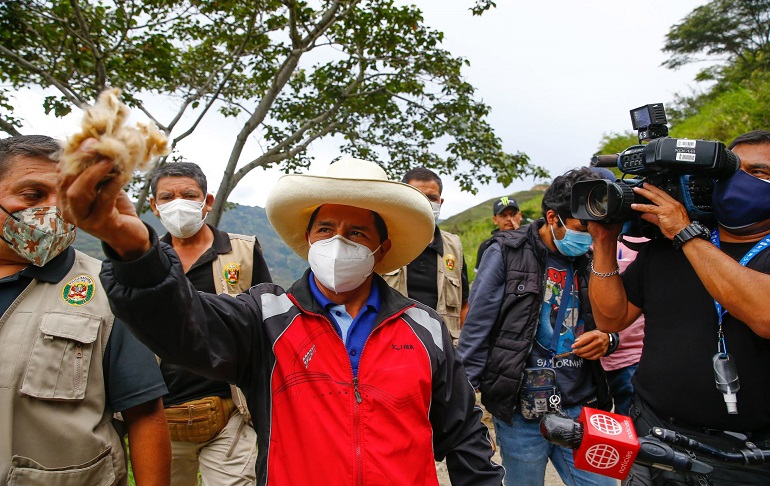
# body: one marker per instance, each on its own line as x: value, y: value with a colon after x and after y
x: 233, y: 274
x: 55, y: 424
x: 233, y: 270
x: 448, y: 281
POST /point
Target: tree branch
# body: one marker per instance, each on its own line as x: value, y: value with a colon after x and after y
x: 9, y: 128
x: 67, y: 91
x: 265, y: 159
x: 101, y: 74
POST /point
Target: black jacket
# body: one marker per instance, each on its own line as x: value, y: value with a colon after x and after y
x: 483, y: 247
x: 512, y: 336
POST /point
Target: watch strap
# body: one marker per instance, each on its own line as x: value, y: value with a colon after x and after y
x: 693, y: 230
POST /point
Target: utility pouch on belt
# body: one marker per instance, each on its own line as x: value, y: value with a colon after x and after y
x: 539, y: 394
x: 199, y: 420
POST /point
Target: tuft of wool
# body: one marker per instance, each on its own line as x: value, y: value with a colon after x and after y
x: 130, y: 148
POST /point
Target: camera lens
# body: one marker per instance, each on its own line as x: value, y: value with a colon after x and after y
x: 596, y: 202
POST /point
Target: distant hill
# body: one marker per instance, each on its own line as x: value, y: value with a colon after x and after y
x: 473, y: 225
x: 285, y: 266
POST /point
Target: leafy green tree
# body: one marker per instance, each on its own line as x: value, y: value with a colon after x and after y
x: 733, y: 37
x: 188, y: 51
x: 732, y: 32
x: 369, y: 73
x: 740, y: 109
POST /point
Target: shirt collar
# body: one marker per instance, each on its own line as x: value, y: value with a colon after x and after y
x: 438, y: 242
x: 53, y: 271
x: 221, y: 243
x: 373, y: 302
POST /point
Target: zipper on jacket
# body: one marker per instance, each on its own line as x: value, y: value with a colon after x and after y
x: 356, y: 402
x: 78, y: 365
x: 357, y: 428
x: 356, y: 391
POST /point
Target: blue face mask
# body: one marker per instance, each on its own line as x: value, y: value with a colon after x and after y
x: 574, y: 243
x: 741, y: 200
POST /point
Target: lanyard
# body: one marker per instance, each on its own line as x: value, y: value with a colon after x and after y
x: 756, y: 250
x: 566, y: 302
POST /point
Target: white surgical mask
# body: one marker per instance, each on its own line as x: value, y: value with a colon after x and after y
x: 436, y: 210
x: 340, y: 264
x: 182, y: 218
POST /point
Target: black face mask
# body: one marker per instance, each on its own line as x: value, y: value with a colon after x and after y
x: 741, y: 200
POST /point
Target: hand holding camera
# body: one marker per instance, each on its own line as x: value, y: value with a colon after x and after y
x: 663, y: 211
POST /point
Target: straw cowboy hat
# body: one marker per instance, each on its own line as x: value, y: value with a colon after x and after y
x: 353, y: 182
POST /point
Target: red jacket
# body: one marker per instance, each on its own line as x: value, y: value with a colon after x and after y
x: 316, y: 423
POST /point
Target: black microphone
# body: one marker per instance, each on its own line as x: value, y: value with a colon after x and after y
x: 565, y: 432
x: 610, y: 160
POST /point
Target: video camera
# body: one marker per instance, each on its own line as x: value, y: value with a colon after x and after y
x: 686, y: 169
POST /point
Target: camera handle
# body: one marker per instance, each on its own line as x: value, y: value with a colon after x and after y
x: 751, y: 455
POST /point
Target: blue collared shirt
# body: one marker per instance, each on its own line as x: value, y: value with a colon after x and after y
x: 354, y: 332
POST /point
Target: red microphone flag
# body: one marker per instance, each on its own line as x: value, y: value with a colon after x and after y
x: 609, y: 444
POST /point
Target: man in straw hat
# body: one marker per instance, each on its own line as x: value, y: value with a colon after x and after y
x: 324, y: 411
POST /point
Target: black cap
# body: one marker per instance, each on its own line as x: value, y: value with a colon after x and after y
x: 502, y: 203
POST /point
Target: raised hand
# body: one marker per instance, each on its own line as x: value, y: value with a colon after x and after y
x: 97, y: 204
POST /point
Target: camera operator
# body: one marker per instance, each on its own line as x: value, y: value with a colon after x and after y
x: 680, y: 289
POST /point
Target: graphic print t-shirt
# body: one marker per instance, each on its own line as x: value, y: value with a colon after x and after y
x: 573, y: 379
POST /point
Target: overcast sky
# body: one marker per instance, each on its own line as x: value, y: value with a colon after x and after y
x: 557, y: 74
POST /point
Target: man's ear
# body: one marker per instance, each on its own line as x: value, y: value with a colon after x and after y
x: 154, y: 207
x: 208, y: 203
x: 384, y: 248
x: 552, y: 218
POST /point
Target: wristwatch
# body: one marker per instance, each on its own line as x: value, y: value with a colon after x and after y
x: 693, y: 230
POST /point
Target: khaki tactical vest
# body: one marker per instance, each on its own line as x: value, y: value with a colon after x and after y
x: 233, y: 274
x: 55, y: 424
x: 448, y: 281
x: 233, y: 271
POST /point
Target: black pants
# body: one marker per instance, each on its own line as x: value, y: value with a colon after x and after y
x: 724, y: 474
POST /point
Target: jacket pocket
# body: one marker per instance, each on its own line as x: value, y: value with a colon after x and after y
x: 454, y: 294
x: 96, y: 472
x: 61, y: 357
x: 520, y: 283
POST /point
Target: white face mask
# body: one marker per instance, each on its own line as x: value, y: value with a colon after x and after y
x: 436, y: 210
x: 340, y: 264
x: 182, y: 218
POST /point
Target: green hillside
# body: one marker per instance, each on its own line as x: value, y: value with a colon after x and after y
x: 475, y: 225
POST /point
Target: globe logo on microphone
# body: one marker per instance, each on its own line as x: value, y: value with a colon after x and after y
x: 606, y: 424
x: 603, y: 456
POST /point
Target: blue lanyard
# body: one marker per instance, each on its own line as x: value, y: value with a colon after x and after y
x: 566, y: 302
x: 756, y: 250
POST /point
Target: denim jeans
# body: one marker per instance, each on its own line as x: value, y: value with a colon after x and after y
x: 525, y: 454
x: 621, y: 388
